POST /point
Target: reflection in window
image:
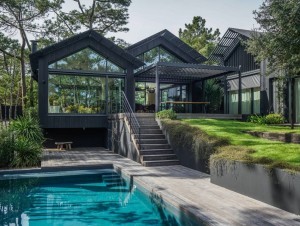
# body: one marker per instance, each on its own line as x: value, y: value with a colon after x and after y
x: 152, y: 56
x: 165, y: 56
x: 246, y: 101
x: 233, y: 102
x: 158, y: 54
x: 115, y: 88
x: 87, y: 60
x: 76, y: 94
x: 256, y: 99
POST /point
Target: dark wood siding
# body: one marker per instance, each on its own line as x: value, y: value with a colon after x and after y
x: 74, y: 121
x: 239, y: 56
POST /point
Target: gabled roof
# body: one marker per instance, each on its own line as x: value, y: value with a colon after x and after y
x: 171, y: 43
x: 90, y: 35
x: 227, y: 44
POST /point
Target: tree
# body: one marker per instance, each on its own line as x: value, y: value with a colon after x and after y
x: 199, y: 37
x: 9, y: 68
x: 22, y: 16
x: 278, y: 38
x: 101, y: 15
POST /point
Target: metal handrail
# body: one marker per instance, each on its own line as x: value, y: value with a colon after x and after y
x: 134, y: 124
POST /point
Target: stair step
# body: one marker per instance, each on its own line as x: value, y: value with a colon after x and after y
x: 150, y: 131
x: 116, y: 185
x: 110, y: 176
x: 113, y: 180
x: 159, y: 157
x: 154, y: 146
x: 161, y: 163
x: 150, y: 136
x: 152, y: 141
x: 156, y: 152
x: 150, y: 127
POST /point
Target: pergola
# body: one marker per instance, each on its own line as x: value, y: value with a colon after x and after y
x: 183, y: 72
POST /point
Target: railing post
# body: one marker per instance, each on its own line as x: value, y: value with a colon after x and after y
x: 139, y: 139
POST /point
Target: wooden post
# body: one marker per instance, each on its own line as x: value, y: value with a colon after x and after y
x: 240, y: 92
x: 157, y: 89
x: 225, y: 94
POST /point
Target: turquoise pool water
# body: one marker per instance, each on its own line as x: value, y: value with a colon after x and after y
x: 80, y: 198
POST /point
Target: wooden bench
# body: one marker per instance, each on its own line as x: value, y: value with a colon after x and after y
x: 60, y: 145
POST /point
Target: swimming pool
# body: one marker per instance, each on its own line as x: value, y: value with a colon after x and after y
x: 81, y: 197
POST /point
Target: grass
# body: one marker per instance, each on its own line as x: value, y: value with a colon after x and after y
x: 247, y: 148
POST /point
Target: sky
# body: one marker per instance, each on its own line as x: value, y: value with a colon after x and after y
x: 148, y: 17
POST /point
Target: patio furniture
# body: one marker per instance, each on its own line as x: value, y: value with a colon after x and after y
x: 60, y: 145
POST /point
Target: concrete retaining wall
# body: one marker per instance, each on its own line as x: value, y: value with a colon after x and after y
x: 119, y: 140
x: 186, y: 156
x: 275, y: 187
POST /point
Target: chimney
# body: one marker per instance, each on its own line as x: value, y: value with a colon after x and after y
x: 34, y: 45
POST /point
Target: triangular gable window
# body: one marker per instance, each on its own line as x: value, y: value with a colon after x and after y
x: 86, y: 60
x: 158, y: 54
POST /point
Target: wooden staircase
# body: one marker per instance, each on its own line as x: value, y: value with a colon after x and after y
x: 153, y: 146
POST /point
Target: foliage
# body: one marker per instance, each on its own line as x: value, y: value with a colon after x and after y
x: 23, y: 17
x: 102, y: 16
x: 214, y: 94
x: 279, y: 41
x: 27, y: 127
x: 6, y: 151
x: 268, y: 119
x: 274, y: 119
x: 166, y: 114
x: 248, y: 148
x: 259, y: 119
x: 192, y: 139
x: 199, y: 37
x: 21, y: 143
x: 27, y: 153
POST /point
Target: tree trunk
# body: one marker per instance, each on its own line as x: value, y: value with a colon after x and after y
x: 31, y: 101
x: 23, y: 72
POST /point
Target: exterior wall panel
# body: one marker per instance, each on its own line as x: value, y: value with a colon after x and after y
x: 239, y: 56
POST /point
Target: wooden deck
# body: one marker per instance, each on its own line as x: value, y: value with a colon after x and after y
x: 187, y: 189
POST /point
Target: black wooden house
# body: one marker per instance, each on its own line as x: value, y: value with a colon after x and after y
x: 81, y: 80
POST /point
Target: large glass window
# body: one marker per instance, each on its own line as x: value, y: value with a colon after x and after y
x: 158, y: 54
x: 246, y: 101
x: 152, y: 56
x: 233, y: 102
x: 165, y: 56
x: 76, y: 94
x: 115, y: 88
x: 256, y: 99
x: 87, y: 60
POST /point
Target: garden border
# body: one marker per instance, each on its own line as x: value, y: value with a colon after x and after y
x: 276, y: 187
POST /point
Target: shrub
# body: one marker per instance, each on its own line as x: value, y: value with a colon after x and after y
x: 28, y: 127
x: 274, y: 119
x: 27, y: 153
x: 21, y: 143
x: 6, y: 147
x: 268, y: 119
x: 166, y: 114
x: 257, y: 119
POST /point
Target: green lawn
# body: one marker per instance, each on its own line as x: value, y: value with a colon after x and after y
x: 284, y: 155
